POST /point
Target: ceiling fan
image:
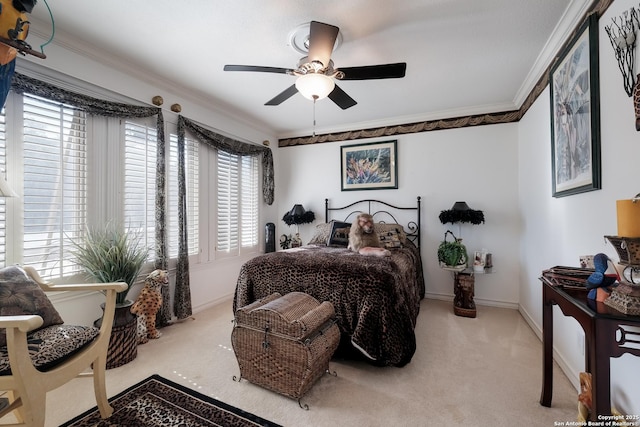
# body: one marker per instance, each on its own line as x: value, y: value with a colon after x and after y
x: 316, y: 73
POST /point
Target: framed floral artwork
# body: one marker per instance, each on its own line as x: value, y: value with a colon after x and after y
x: 575, y: 114
x: 370, y: 166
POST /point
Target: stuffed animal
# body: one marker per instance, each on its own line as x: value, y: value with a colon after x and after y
x: 585, y: 399
x: 148, y: 304
x: 598, y: 282
x: 363, y: 239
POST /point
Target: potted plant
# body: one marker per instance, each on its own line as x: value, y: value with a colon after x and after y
x: 452, y: 254
x: 112, y: 254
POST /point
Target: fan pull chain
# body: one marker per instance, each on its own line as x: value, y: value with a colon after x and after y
x: 315, y: 98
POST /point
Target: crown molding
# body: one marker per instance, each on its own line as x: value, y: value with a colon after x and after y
x: 571, y: 19
x: 576, y: 13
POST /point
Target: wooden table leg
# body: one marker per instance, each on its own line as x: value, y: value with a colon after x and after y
x: 547, y: 350
x: 600, y: 368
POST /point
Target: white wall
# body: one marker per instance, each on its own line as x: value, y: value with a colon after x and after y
x: 556, y: 231
x: 477, y: 165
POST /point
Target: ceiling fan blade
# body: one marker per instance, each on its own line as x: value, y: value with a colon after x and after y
x: 283, y: 96
x: 322, y: 38
x: 371, y: 72
x: 341, y: 98
x: 258, y: 69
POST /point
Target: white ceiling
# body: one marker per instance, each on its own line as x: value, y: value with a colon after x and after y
x: 463, y: 56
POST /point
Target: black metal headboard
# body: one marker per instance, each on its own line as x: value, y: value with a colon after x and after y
x: 382, y: 212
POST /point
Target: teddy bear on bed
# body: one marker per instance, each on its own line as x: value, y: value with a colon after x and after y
x: 363, y: 239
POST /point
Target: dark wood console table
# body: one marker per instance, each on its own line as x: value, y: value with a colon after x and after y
x: 605, y: 337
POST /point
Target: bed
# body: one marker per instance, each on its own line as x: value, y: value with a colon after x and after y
x: 377, y: 300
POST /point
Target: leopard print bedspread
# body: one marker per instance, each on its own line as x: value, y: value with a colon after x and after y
x: 377, y: 300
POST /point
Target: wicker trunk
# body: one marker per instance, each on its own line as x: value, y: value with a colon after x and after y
x: 284, y: 343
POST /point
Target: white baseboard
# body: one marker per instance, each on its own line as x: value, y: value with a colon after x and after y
x: 568, y: 371
x: 479, y: 301
x: 213, y: 303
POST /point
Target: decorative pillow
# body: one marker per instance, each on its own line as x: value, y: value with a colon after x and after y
x: 20, y: 295
x: 397, y: 228
x: 339, y: 235
x: 390, y: 239
x: 321, y: 236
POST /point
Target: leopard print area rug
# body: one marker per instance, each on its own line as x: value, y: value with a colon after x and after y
x: 159, y: 402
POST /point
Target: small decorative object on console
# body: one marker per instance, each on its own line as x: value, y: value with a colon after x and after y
x: 598, y: 282
x: 628, y: 249
x: 626, y: 296
x: 570, y: 277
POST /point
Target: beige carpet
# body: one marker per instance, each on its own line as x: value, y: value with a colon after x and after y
x: 474, y: 372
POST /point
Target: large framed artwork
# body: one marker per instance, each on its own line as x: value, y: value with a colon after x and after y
x: 370, y: 166
x: 575, y: 114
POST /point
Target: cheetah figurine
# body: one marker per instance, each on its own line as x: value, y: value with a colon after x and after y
x: 147, y: 305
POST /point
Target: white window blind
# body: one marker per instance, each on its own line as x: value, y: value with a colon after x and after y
x: 228, y: 201
x: 193, y: 200
x: 55, y: 184
x: 140, y: 155
x: 237, y: 202
x: 249, y: 210
x: 140, y: 186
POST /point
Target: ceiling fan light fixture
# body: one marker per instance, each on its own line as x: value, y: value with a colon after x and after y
x: 315, y: 86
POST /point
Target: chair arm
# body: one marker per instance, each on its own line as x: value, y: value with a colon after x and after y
x: 50, y: 287
x: 117, y: 286
x: 24, y: 323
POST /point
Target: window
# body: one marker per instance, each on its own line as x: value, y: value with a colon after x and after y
x: 140, y: 186
x: 75, y: 170
x: 55, y: 184
x: 237, y: 203
x: 249, y: 198
x: 140, y: 154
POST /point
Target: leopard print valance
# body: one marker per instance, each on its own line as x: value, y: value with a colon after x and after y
x: 233, y: 146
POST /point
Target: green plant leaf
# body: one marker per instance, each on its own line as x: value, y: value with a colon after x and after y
x: 111, y: 254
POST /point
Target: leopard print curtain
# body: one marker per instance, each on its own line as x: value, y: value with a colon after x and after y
x: 182, y: 300
x: 182, y: 295
x: 230, y: 145
x: 99, y: 107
